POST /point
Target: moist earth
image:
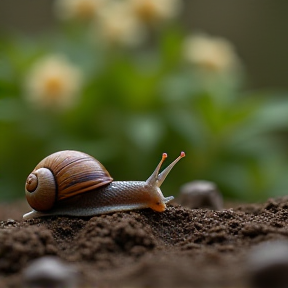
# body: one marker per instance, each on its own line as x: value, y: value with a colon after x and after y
x: 180, y: 247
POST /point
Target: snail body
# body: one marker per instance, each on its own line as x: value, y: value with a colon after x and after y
x: 73, y: 183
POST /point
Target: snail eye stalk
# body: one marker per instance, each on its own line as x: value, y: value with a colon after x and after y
x: 158, y: 178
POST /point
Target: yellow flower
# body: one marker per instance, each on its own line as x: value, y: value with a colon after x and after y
x: 117, y: 25
x: 211, y: 54
x: 78, y: 9
x: 150, y: 11
x: 53, y: 82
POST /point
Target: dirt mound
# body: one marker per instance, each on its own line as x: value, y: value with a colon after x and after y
x: 177, y: 248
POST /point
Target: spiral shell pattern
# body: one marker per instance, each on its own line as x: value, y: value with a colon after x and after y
x: 73, y: 173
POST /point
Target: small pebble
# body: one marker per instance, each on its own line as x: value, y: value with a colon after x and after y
x: 200, y: 194
x: 50, y: 272
x: 9, y: 223
x: 267, y: 265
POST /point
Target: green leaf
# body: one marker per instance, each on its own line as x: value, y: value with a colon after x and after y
x: 145, y: 131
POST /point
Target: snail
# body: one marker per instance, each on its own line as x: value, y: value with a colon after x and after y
x: 73, y: 183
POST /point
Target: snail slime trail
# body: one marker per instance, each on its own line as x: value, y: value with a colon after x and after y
x: 74, y: 183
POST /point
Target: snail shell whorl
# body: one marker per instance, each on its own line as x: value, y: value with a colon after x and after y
x: 62, y: 175
x: 41, y: 189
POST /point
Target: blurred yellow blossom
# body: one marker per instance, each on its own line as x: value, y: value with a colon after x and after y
x: 53, y: 82
x: 150, y: 11
x: 117, y: 25
x: 212, y: 54
x: 78, y: 9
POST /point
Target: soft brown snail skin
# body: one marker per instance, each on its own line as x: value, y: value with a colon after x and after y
x: 73, y: 183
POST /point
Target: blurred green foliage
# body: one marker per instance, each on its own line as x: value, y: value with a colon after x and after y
x: 136, y: 104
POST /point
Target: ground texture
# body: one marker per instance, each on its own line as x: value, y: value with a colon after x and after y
x: 177, y: 248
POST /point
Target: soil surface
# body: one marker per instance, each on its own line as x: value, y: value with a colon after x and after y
x: 180, y: 247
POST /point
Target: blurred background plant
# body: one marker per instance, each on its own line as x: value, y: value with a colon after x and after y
x: 124, y: 81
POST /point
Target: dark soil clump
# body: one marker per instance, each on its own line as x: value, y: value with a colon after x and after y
x: 177, y: 248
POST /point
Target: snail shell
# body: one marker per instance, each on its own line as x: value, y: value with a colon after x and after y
x: 62, y: 175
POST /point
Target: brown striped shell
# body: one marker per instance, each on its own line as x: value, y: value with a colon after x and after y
x: 62, y: 175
